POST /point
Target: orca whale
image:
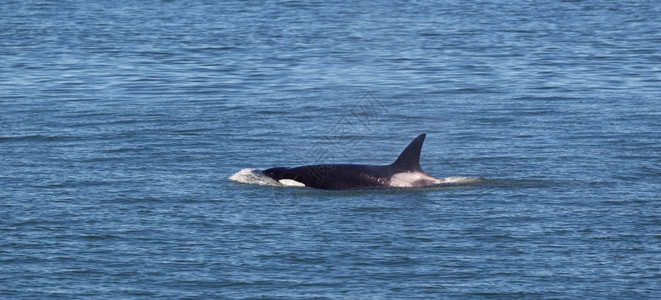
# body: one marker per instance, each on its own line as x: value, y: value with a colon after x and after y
x: 405, y: 172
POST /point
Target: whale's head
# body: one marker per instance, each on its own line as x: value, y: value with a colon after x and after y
x: 276, y: 173
x: 283, y: 175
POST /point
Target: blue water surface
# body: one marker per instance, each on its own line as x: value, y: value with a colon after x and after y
x: 122, y: 121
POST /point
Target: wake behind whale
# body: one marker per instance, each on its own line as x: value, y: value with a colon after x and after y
x: 405, y: 172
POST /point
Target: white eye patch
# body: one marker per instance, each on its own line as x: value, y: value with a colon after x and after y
x: 290, y: 182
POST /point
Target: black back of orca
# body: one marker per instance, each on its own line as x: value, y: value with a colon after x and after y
x: 353, y: 176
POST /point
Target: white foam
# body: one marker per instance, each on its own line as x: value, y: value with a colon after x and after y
x: 253, y: 176
x: 459, y: 180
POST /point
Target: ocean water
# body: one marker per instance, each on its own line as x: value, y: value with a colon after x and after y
x: 121, y: 123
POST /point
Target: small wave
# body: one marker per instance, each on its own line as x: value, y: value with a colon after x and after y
x: 253, y: 176
x: 461, y: 180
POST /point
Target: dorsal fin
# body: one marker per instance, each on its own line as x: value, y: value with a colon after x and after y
x: 409, y: 160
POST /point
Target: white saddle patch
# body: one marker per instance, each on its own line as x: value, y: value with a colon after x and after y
x: 412, y: 179
x: 290, y: 182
